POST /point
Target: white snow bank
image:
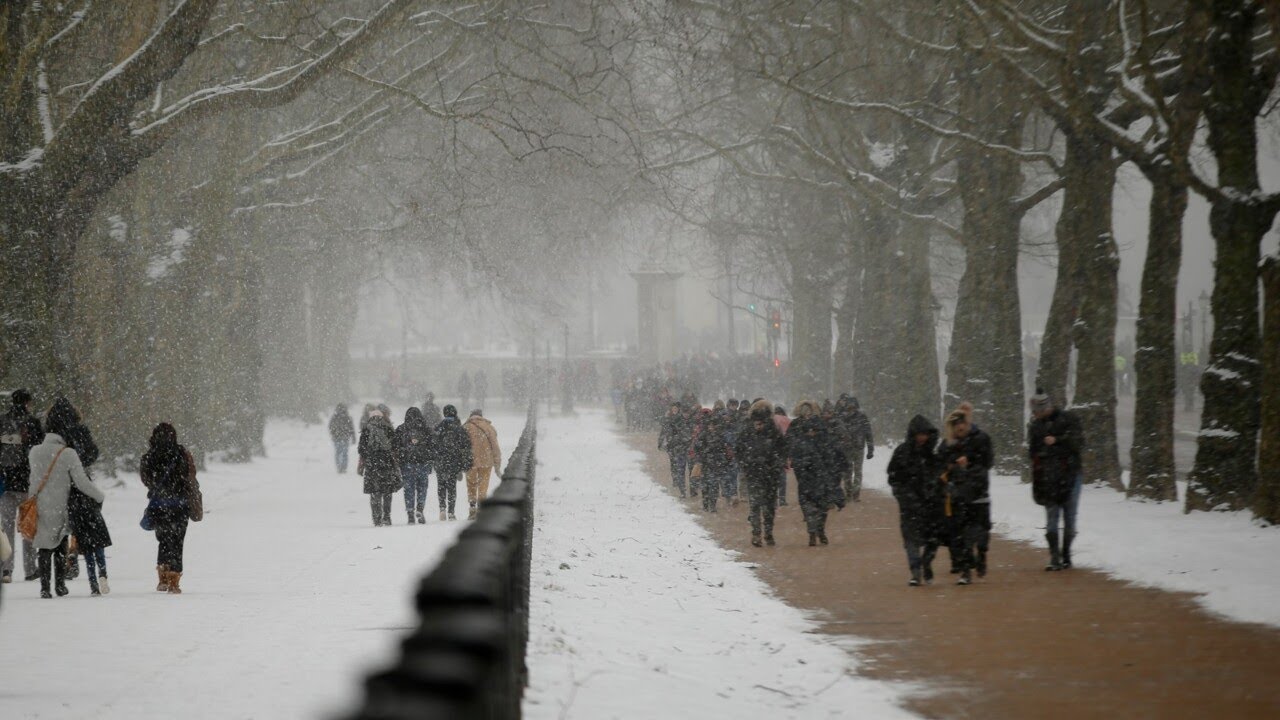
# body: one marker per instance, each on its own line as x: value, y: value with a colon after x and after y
x: 1230, y: 563
x: 638, y: 613
x: 290, y: 595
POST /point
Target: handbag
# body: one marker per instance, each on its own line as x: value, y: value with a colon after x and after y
x: 29, y: 511
x: 195, y: 498
x: 6, y: 550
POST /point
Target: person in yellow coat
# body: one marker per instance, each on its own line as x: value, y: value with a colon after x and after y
x: 485, y: 457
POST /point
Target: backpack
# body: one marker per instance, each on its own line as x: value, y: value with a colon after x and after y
x: 13, y: 441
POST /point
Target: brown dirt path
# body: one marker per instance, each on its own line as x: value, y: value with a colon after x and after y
x: 1021, y: 643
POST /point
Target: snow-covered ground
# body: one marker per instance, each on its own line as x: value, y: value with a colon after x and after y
x: 638, y: 613
x: 289, y: 595
x: 1230, y: 563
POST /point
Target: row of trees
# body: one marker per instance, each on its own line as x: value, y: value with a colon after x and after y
x: 871, y: 146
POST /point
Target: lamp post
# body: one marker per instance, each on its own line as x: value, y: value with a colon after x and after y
x: 1204, y: 326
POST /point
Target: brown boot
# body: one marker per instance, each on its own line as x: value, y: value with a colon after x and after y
x: 162, y: 572
x: 175, y: 579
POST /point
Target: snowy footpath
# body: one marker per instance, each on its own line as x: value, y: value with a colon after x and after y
x: 289, y: 595
x: 638, y: 613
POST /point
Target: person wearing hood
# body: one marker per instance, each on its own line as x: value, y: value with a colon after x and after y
x: 816, y: 463
x: 856, y: 442
x: 913, y: 477
x: 343, y: 434
x: 761, y: 451
x: 378, y: 466
x: 452, y: 448
x: 20, y: 431
x: 486, y: 457
x: 55, y: 469
x: 1055, y: 438
x: 966, y: 456
x: 168, y: 471
x: 431, y: 412
x: 414, y: 453
x: 84, y: 514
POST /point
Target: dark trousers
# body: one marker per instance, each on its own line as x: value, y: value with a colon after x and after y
x: 970, y: 527
x: 416, y: 479
x: 447, y: 489
x: 171, y: 534
x: 762, y: 496
x: 380, y: 508
x: 54, y: 560
x: 815, y: 513
x: 679, y: 466
x: 782, y: 487
x: 711, y: 480
x: 95, y: 562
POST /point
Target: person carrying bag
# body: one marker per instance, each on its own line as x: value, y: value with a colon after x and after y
x: 29, y: 511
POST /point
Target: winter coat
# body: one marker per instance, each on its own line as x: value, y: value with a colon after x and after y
x: 816, y: 462
x: 431, y: 414
x: 913, y: 476
x: 413, y: 440
x: 378, y: 458
x: 971, y: 484
x: 52, y: 500
x: 713, y: 448
x: 674, y: 435
x: 452, y: 448
x: 1054, y: 468
x: 19, y: 433
x: 762, y: 454
x: 341, y: 429
x: 85, y: 513
x: 484, y: 443
x: 855, y: 431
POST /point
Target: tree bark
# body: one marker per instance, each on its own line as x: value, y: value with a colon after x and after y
x: 1266, y: 498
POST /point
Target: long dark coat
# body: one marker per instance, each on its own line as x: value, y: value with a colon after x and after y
x: 84, y: 514
x: 816, y: 461
x: 452, y: 448
x: 762, y: 454
x: 913, y: 477
x: 1054, y: 468
x: 378, y: 459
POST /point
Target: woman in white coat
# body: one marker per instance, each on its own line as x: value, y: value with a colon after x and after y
x: 63, y: 469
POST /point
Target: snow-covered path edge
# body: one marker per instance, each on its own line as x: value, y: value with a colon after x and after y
x: 638, y: 613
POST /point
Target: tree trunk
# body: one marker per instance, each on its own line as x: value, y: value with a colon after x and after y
x: 1266, y: 498
x: 1152, y: 474
x: 811, y: 332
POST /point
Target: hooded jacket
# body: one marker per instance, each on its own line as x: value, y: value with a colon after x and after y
x: 485, y: 452
x: 378, y: 457
x: 761, y: 453
x: 913, y: 476
x: 413, y: 439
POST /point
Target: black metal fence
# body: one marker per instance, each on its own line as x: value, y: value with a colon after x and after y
x: 466, y: 658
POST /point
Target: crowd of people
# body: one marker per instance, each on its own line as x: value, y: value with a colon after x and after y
x: 49, y: 497
x: 393, y: 458
x: 939, y: 478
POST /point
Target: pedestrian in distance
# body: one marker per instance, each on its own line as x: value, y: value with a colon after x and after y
x: 431, y: 414
x: 486, y: 457
x: 783, y: 422
x: 733, y: 421
x: 480, y: 387
x: 966, y: 456
x: 20, y: 431
x: 55, y: 469
x: 674, y: 439
x: 343, y: 434
x: 816, y: 462
x: 453, y: 457
x: 1054, y: 438
x: 168, y: 472
x: 714, y: 454
x: 697, y: 422
x: 378, y: 466
x: 913, y: 475
x: 464, y: 388
x: 414, y: 454
x: 761, y: 451
x: 87, y: 526
x: 856, y: 442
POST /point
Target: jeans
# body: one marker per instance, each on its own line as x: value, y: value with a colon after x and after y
x: 1067, y: 512
x: 447, y: 490
x: 95, y: 563
x: 851, y: 477
x: 729, y: 485
x: 416, y: 479
x: 341, y: 448
x: 9, y: 502
x: 711, y: 480
x: 679, y: 466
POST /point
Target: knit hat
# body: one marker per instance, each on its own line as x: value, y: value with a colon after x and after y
x: 477, y: 413
x: 1040, y: 402
x: 21, y: 397
x: 450, y: 411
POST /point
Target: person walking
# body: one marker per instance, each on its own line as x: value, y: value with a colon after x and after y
x: 452, y: 446
x: 1054, y: 438
x: 343, y: 433
x: 761, y: 451
x: 378, y: 466
x: 480, y: 387
x: 431, y: 414
x: 714, y: 454
x: 966, y: 456
x: 783, y: 422
x: 486, y: 457
x: 84, y: 514
x: 674, y: 438
x: 816, y: 462
x: 414, y: 453
x: 856, y: 441
x: 168, y: 473
x: 56, y: 468
x: 19, y: 433
x: 913, y: 477
x: 464, y: 389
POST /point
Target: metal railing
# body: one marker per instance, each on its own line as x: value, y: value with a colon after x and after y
x: 466, y: 658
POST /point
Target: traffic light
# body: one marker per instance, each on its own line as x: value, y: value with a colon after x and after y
x: 752, y: 307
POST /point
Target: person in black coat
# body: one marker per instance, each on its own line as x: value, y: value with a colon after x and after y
x: 343, y: 434
x: 913, y: 476
x: 762, y: 455
x: 452, y: 457
x: 19, y: 432
x: 166, y: 470
x: 378, y: 466
x: 675, y: 438
x: 413, y: 450
x: 84, y: 514
x: 712, y: 450
x: 966, y: 457
x: 816, y: 462
x: 1055, y: 439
